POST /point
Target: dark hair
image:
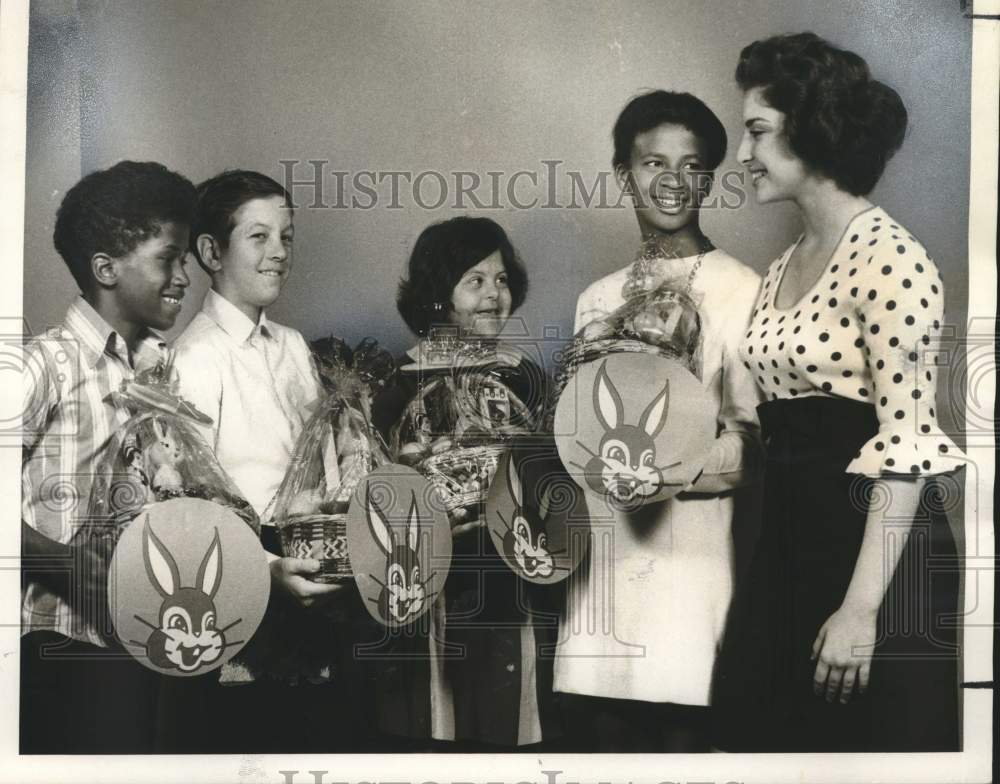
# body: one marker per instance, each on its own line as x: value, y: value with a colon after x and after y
x: 441, y: 255
x: 220, y: 197
x: 113, y: 210
x: 659, y: 107
x: 839, y: 121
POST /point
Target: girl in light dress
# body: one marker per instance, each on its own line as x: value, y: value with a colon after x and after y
x: 642, y: 684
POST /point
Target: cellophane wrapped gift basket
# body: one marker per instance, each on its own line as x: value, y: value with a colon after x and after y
x: 158, y: 455
x: 659, y: 317
x: 337, y: 449
x: 462, y: 419
x: 636, y: 429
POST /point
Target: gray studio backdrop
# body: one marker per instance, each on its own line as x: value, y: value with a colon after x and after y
x: 456, y: 87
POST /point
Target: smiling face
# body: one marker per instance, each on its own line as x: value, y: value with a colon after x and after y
x: 776, y: 172
x: 404, y: 590
x: 668, y: 178
x: 255, y: 265
x: 481, y: 299
x: 187, y: 619
x: 531, y: 556
x: 150, y: 281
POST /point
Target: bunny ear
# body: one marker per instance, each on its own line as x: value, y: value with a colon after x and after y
x: 377, y: 523
x: 413, y: 524
x: 607, y: 401
x: 210, y: 571
x: 514, y: 482
x: 543, y: 505
x: 159, y: 428
x: 655, y: 415
x: 160, y: 566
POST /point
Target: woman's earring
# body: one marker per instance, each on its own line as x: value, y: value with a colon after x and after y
x: 438, y: 308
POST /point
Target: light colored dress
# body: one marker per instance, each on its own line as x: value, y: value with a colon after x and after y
x: 646, y: 610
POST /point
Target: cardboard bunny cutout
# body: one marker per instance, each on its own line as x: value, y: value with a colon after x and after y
x: 537, y: 516
x: 403, y: 593
x: 634, y: 428
x: 399, y: 541
x: 187, y: 636
x: 188, y: 585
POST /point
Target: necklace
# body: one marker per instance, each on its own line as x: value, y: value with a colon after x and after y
x: 644, y: 276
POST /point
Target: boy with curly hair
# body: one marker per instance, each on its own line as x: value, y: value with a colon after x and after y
x: 123, y: 233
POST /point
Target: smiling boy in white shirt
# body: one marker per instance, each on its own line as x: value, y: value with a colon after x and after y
x: 254, y: 377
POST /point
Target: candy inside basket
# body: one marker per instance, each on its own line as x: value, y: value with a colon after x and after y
x: 159, y: 454
x: 455, y: 431
x: 337, y: 449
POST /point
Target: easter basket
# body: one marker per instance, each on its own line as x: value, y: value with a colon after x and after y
x: 158, y: 455
x: 631, y: 419
x: 460, y: 422
x: 337, y: 449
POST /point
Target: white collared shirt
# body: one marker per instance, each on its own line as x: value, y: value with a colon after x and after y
x: 259, y: 385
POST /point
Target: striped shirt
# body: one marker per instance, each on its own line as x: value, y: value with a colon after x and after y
x: 70, y: 419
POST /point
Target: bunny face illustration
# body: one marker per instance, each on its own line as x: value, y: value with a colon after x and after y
x: 187, y: 636
x: 526, y: 543
x: 402, y: 596
x: 624, y: 467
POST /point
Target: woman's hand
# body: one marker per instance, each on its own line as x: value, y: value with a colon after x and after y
x: 291, y: 575
x: 843, y: 650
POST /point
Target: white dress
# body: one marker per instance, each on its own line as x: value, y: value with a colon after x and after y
x: 645, y: 616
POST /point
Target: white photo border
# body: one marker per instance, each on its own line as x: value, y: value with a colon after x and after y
x: 971, y: 765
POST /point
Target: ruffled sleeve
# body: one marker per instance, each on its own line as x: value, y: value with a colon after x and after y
x: 900, y: 305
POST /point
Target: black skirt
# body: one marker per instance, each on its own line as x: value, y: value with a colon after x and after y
x: 813, y: 521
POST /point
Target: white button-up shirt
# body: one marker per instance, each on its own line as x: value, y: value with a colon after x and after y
x: 258, y: 383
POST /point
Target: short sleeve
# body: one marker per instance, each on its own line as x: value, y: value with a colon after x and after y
x: 900, y: 308
x: 585, y: 312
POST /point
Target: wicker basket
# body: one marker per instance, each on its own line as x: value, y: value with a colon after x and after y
x: 319, y: 536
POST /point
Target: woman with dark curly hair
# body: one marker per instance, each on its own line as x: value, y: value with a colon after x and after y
x: 463, y: 280
x: 840, y: 638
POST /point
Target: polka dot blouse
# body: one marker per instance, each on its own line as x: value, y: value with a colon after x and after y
x: 865, y: 331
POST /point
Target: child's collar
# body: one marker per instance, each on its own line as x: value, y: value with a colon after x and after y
x: 231, y: 319
x: 98, y: 337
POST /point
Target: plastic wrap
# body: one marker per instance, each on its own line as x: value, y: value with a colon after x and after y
x: 157, y: 456
x: 627, y: 428
x: 337, y: 449
x: 461, y: 421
